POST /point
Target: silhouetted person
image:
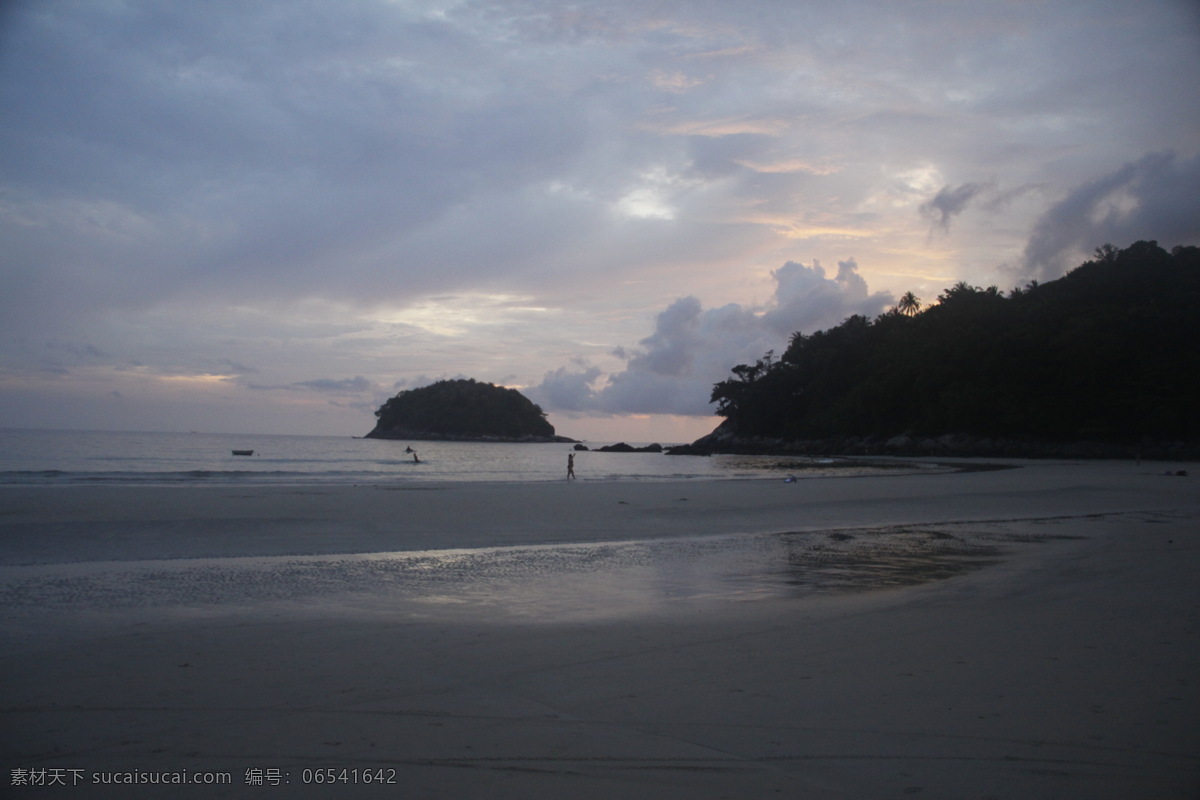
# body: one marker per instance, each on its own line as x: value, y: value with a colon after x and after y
x: 570, y: 466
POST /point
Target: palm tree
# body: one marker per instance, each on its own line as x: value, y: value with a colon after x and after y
x: 909, y: 304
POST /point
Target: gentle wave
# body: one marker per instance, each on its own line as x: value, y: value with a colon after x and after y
x: 59, y: 458
x: 54, y: 476
x: 198, y: 477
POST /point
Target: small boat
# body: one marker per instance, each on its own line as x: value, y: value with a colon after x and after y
x: 243, y: 452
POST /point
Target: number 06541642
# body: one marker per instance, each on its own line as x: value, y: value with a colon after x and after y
x: 356, y: 775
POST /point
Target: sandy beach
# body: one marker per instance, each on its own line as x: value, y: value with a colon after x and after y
x: 1026, y: 632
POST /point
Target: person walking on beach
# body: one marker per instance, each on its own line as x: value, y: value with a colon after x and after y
x: 570, y: 466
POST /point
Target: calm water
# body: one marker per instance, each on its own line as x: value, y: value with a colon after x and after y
x: 68, y: 457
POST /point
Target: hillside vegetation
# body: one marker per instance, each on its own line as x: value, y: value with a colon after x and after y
x: 1108, y: 353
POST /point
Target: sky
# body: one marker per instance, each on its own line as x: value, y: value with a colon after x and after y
x: 271, y: 216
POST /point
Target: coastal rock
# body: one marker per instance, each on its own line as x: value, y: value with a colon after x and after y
x: 622, y: 447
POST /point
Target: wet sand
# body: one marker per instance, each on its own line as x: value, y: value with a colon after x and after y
x: 1031, y: 632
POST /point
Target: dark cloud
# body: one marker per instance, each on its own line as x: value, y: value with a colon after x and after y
x: 949, y: 203
x: 673, y: 369
x: 1154, y: 198
x: 1002, y: 199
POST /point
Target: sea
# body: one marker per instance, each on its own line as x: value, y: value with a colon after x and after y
x: 65, y: 457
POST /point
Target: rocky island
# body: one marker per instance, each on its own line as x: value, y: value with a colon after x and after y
x: 463, y: 410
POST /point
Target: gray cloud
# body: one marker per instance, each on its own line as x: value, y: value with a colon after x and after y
x: 182, y: 183
x: 355, y: 385
x: 673, y: 369
x: 949, y: 203
x: 345, y: 385
x: 1156, y: 197
x: 235, y: 366
x: 567, y: 389
x: 161, y: 150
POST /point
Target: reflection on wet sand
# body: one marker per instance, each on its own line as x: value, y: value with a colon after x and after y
x: 884, y: 558
x: 554, y: 582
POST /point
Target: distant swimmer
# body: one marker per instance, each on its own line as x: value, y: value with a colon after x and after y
x: 415, y: 459
x: 570, y: 466
x: 408, y: 449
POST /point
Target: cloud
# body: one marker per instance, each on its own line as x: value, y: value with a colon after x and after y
x: 345, y: 385
x: 236, y: 367
x: 1154, y: 198
x: 355, y: 385
x: 806, y: 300
x: 949, y: 203
x: 566, y: 389
x: 292, y: 193
x: 672, y: 370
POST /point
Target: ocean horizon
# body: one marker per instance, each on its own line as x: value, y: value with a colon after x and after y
x: 67, y: 457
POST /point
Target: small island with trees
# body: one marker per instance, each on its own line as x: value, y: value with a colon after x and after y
x: 1103, y: 362
x: 463, y: 410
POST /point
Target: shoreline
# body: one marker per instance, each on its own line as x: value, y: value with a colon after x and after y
x: 958, y: 445
x: 61, y: 524
x: 1029, y: 632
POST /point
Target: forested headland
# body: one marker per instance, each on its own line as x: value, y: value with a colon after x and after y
x: 463, y: 410
x: 1103, y: 361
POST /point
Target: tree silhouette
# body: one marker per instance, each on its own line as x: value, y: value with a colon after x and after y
x: 909, y: 304
x: 1108, y: 352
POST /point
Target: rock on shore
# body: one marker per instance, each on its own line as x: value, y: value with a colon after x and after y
x: 722, y: 440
